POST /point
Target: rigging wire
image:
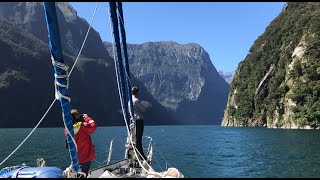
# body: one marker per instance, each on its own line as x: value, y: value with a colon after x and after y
x: 94, y: 14
x: 29, y: 133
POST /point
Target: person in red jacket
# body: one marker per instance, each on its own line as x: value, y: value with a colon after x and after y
x: 83, y: 126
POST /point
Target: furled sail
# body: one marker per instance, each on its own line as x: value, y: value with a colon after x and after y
x: 122, y: 66
x: 125, y: 59
x: 61, y: 78
x: 123, y: 79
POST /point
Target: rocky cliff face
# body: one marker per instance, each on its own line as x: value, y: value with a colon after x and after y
x: 26, y: 72
x: 277, y: 85
x: 182, y: 78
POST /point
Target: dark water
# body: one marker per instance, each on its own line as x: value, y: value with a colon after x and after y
x: 197, y: 151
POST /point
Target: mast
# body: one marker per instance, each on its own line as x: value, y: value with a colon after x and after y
x: 118, y: 61
x: 125, y: 59
x: 61, y: 78
x: 122, y: 68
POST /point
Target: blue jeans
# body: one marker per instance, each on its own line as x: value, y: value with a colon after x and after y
x: 85, y: 167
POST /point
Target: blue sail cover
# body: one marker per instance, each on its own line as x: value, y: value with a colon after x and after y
x: 119, y: 63
x: 56, y: 53
x: 33, y: 172
x: 125, y: 58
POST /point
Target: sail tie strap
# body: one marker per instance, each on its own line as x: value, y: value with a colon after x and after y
x: 65, y: 76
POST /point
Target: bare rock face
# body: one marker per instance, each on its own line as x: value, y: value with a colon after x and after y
x: 182, y: 78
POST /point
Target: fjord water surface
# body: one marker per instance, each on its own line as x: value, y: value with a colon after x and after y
x: 196, y: 150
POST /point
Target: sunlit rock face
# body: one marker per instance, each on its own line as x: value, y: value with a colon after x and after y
x: 181, y: 77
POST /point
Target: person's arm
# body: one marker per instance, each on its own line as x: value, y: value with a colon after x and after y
x: 89, y: 124
x: 139, y: 105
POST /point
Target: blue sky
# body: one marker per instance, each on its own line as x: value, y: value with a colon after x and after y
x: 226, y: 30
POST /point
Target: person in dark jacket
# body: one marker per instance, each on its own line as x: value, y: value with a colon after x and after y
x: 139, y: 108
x: 83, y: 126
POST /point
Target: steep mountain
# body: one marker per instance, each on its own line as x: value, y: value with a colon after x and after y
x: 182, y: 78
x: 26, y: 72
x: 30, y: 17
x: 227, y: 76
x: 278, y: 83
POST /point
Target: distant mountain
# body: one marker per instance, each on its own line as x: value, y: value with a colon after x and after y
x: 182, y: 78
x: 278, y: 84
x: 26, y: 72
x: 227, y: 76
x: 179, y: 81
